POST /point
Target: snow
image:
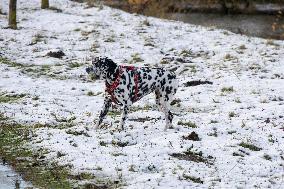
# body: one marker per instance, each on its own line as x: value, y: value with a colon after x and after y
x: 252, y: 66
x: 9, y: 179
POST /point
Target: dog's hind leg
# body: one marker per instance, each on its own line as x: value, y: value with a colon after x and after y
x: 166, y: 110
x: 106, y: 106
x: 158, y: 100
x: 123, y: 116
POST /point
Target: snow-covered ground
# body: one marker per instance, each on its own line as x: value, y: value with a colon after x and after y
x: 9, y: 179
x: 239, y: 119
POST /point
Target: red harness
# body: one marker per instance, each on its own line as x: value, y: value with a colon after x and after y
x: 110, y: 88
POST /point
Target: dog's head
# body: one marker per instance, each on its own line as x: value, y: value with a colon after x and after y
x: 102, y: 68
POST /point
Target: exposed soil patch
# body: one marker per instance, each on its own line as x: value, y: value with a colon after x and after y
x: 197, y: 82
x: 193, y: 156
x: 142, y: 119
x: 192, y: 136
x: 56, y: 54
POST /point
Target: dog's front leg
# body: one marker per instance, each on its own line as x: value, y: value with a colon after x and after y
x: 107, y: 104
x: 123, y: 117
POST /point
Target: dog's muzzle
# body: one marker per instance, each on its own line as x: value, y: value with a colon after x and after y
x: 88, y: 70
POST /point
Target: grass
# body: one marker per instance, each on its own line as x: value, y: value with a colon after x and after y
x: 110, y: 39
x: 58, y: 10
x: 190, y: 155
x: 95, y: 47
x: 238, y: 100
x: 91, y: 93
x: 149, y: 44
x: 132, y: 168
x: 10, y: 63
x: 242, y: 47
x: 229, y: 57
x: 86, y: 33
x: 176, y: 102
x: 37, y: 39
x: 142, y: 119
x: 85, y: 176
x: 137, y: 108
x: 13, y: 146
x: 113, y: 113
x: 191, y: 178
x: 7, y: 98
x: 272, y: 43
x: 252, y: 147
x: 238, y: 154
x: 34, y: 70
x: 254, y: 66
x: 227, y: 89
x: 193, y: 68
x: 35, y: 98
x: 74, y: 65
x: 116, y: 154
x: 32, y: 165
x: 232, y: 114
x: 37, y: 70
x: 186, y: 53
x: 213, y: 121
x: 214, y: 133
x: 146, y: 23
x: 270, y: 137
x: 119, y: 143
x: 232, y: 132
x: 163, y: 61
x: 77, y: 133
x: 2, y: 117
x: 135, y: 58
x: 267, y: 157
x: 188, y: 124
x: 31, y: 70
x: 63, y: 119
x: 103, y: 143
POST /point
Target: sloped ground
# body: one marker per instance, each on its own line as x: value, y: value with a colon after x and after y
x: 239, y: 119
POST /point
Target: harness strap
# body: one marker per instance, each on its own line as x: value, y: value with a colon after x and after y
x: 110, y: 88
x: 136, y: 78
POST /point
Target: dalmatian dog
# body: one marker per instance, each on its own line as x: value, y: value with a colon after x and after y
x: 125, y: 85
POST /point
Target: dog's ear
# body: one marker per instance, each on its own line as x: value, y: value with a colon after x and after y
x: 111, y: 66
x: 95, y: 60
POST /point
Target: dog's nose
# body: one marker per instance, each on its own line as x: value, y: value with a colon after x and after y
x: 88, y: 70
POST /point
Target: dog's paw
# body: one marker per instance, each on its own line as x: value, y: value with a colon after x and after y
x: 168, y: 127
x: 97, y: 127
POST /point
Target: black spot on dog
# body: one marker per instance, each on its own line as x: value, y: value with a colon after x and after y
x: 168, y: 90
x: 171, y: 76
